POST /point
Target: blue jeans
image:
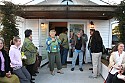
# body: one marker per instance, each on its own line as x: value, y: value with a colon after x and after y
x: 75, y: 55
x: 90, y: 54
x: 64, y: 54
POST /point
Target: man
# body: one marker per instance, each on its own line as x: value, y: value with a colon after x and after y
x: 89, y: 44
x: 64, y: 46
x: 85, y: 39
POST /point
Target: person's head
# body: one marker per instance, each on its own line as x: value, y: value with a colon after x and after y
x: 17, y: 41
x: 81, y: 32
x: 28, y: 34
x: 118, y: 47
x: 52, y: 33
x: 92, y: 31
x: 78, y: 34
x: 1, y: 43
x: 71, y: 34
x: 65, y: 30
x: 96, y: 33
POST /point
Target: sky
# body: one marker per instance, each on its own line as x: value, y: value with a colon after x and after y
x: 37, y: 1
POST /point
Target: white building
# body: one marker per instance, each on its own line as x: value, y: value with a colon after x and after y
x: 58, y: 14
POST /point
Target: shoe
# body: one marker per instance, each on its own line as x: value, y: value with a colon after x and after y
x: 34, y: 74
x: 83, y: 62
x: 90, y: 68
x: 61, y: 72
x: 72, y: 69
x: 32, y: 78
x: 52, y: 73
x: 80, y: 69
x: 92, y: 77
x: 32, y: 82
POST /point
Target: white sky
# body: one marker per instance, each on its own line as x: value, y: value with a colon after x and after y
x: 37, y: 1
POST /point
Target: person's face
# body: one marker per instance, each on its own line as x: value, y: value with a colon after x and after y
x: 18, y: 43
x: 79, y: 35
x: 53, y: 34
x: 81, y: 32
x: 71, y: 34
x: 121, y: 47
x: 1, y: 44
x: 91, y: 32
x: 30, y: 37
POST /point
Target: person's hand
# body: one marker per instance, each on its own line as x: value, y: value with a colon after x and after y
x: 57, y: 37
x: 8, y: 74
x: 121, y: 72
x: 53, y: 39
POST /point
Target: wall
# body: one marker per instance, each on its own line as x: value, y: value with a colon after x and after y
x: 104, y: 26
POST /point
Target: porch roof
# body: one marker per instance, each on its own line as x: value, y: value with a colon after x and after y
x: 101, y: 12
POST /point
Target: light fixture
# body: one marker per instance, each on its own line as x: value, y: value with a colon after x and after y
x: 42, y: 24
x: 91, y: 24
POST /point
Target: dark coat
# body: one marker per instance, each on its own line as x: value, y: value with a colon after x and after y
x: 7, y: 64
x: 96, y: 44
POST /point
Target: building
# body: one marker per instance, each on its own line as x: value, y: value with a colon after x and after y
x: 74, y: 14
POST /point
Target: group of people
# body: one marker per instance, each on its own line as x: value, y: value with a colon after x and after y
x: 58, y: 46
x: 13, y: 65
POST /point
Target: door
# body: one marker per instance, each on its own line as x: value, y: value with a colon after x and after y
x: 43, y: 34
x: 73, y: 27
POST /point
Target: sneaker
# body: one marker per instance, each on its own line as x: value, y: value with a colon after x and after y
x: 52, y: 73
x: 80, y: 69
x: 61, y: 72
x: 72, y: 69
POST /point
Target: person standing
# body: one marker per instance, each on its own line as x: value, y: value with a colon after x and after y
x: 89, y: 45
x: 78, y: 50
x: 53, y: 49
x: 16, y: 61
x: 64, y: 46
x: 96, y: 50
x: 85, y: 39
x: 116, y: 62
x: 30, y: 51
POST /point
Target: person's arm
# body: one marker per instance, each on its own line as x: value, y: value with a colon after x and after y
x: 111, y: 61
x: 12, y: 58
x: 29, y: 46
x: 48, y: 42
x: 86, y: 38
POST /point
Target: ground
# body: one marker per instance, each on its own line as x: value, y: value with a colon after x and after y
x: 68, y: 77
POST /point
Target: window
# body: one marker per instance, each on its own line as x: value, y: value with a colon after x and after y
x: 65, y: 2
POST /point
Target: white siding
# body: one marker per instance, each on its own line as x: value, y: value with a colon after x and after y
x: 33, y: 24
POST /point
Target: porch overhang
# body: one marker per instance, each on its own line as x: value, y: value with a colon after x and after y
x: 101, y: 12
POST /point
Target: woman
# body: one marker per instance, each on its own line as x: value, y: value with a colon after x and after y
x: 96, y: 51
x: 30, y: 51
x: 5, y: 69
x: 117, y: 62
x: 53, y: 49
x: 16, y: 61
x: 78, y: 50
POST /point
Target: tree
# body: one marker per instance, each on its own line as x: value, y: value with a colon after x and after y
x: 120, y: 16
x: 8, y: 22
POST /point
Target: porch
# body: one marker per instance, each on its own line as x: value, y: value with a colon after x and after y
x: 69, y: 76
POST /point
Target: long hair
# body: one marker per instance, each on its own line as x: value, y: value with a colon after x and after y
x: 115, y: 48
x: 3, y: 44
x: 97, y: 35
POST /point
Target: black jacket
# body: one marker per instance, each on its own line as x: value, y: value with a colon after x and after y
x: 96, y: 44
x: 7, y: 64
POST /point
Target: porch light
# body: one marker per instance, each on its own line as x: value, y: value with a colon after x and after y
x: 42, y: 24
x: 91, y: 24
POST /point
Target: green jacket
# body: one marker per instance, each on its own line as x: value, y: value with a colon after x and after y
x: 64, y: 40
x: 30, y: 51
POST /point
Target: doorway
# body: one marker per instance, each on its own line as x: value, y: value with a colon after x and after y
x: 58, y: 26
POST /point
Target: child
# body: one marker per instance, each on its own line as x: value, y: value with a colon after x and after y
x: 16, y: 61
